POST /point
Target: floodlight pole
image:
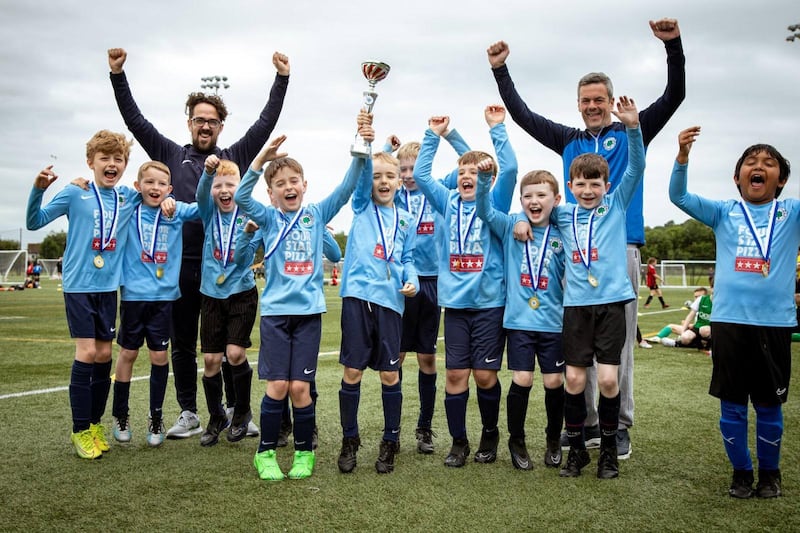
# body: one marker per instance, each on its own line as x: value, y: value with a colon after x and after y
x: 215, y: 82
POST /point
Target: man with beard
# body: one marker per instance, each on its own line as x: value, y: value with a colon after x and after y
x: 206, y: 121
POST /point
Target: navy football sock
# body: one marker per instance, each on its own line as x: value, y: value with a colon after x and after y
x: 455, y: 407
x: 80, y: 395
x: 554, y: 407
x: 122, y: 392
x: 270, y: 423
x: 517, y: 410
x: 304, y: 422
x: 101, y: 386
x: 349, y: 398
x: 489, y: 406
x: 158, y: 388
x: 427, y: 398
x: 392, y: 397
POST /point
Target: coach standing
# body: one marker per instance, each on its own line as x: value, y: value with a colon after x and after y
x: 206, y: 121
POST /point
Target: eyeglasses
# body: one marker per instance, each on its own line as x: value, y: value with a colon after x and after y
x: 200, y: 122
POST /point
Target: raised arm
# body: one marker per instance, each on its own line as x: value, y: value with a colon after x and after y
x: 656, y: 115
x: 244, y: 192
x: 693, y: 205
x: 156, y: 145
x: 551, y: 134
x: 36, y: 216
x: 503, y: 190
x: 246, y: 148
x: 627, y: 113
x: 205, y: 203
x: 496, y: 219
x: 436, y: 193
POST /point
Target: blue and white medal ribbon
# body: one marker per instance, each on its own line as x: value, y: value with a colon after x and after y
x: 104, y: 243
x: 462, y: 237
x: 534, y: 300
x: 287, y: 227
x: 418, y: 215
x: 387, y: 252
x: 586, y: 258
x: 225, y: 241
x: 149, y: 248
x: 765, y: 245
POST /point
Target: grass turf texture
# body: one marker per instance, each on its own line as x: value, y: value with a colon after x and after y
x: 676, y: 479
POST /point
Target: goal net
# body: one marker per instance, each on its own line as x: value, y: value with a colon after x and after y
x: 49, y: 268
x: 687, y: 273
x: 13, y: 264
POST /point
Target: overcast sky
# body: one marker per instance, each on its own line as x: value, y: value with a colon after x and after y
x: 742, y: 79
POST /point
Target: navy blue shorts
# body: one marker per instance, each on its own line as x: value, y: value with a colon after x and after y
x: 474, y: 338
x: 594, y: 331
x: 289, y: 347
x: 228, y: 321
x: 91, y: 315
x: 140, y: 321
x: 752, y: 362
x: 421, y: 318
x: 370, y: 336
x: 524, y: 347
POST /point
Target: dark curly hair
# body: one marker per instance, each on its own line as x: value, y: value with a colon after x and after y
x: 203, y: 98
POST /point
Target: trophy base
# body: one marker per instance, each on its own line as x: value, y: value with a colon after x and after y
x: 362, y: 151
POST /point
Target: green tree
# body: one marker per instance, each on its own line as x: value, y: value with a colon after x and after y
x: 53, y: 245
x: 691, y: 240
x: 6, y: 244
x: 341, y: 238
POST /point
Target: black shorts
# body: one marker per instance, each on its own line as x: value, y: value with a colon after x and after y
x: 752, y: 362
x: 228, y: 321
x: 421, y: 319
x: 594, y: 332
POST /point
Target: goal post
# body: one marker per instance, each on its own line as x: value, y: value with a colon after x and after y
x: 685, y: 274
x: 49, y: 268
x: 13, y: 264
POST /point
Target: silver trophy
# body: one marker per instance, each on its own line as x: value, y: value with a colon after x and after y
x: 374, y: 71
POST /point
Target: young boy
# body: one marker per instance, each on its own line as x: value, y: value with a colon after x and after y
x: 422, y: 312
x: 469, y: 271
x: 293, y: 301
x: 230, y: 300
x: 757, y: 238
x: 597, y: 289
x: 92, y: 269
x: 149, y: 286
x: 652, y: 283
x: 534, y: 272
x: 378, y: 275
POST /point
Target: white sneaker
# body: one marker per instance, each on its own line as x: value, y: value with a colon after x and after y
x: 187, y: 425
x: 666, y: 341
x: 645, y: 344
x: 252, y: 428
x: 155, y: 432
x: 121, y: 429
x: 657, y: 340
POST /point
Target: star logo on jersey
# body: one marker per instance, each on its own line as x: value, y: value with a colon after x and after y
x: 609, y: 143
x: 307, y: 220
x: 602, y: 210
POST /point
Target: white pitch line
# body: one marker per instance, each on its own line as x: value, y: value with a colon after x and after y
x: 66, y: 388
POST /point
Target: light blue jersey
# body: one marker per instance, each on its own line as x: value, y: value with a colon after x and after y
x: 221, y: 275
x: 96, y: 238
x: 606, y: 278
x: 742, y: 293
x: 378, y: 233
x: 471, y: 267
x: 538, y: 263
x: 294, y: 243
x: 152, y: 257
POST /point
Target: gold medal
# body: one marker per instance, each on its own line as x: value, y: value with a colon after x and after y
x: 592, y: 280
x: 98, y: 261
x: 159, y: 272
x: 765, y: 269
x: 533, y: 302
x: 220, y: 279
